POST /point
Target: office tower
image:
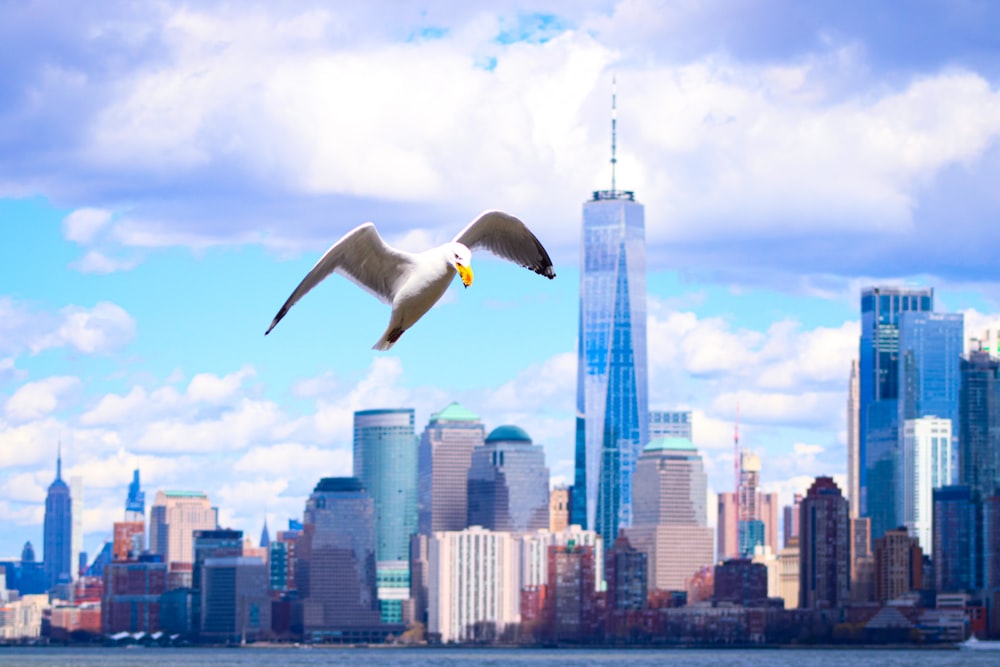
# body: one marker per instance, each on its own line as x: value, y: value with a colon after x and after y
x: 128, y: 540
x: 862, y: 560
x: 235, y: 601
x: 559, y: 503
x: 853, y: 443
x: 135, y: 502
x: 741, y: 582
x: 282, y: 560
x: 215, y: 543
x: 824, y: 547
x: 788, y: 572
x: 955, y: 555
x: 472, y: 587
x: 670, y: 516
x: 416, y: 609
x: 444, y: 458
x: 925, y: 465
x: 628, y: 576
x: 508, y: 487
x: 898, y: 565
x: 930, y: 354
x: 534, y: 553
x: 750, y: 525
x: 979, y: 423
x: 878, y: 385
x: 28, y: 577
x: 385, y: 460
x: 991, y: 549
x: 174, y: 517
x: 611, y: 396
x: 265, y: 535
x: 76, y: 494
x: 726, y: 526
x: 790, y: 524
x: 570, y: 603
x: 58, y: 531
x: 336, y: 568
x: 768, y: 509
x: 131, y: 598
x: 670, y: 424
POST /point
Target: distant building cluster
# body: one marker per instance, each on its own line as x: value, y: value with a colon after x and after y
x: 454, y: 534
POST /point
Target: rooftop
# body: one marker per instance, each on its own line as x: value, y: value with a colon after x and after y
x: 185, y: 494
x: 508, y: 433
x: 339, y: 485
x: 671, y: 443
x: 455, y: 413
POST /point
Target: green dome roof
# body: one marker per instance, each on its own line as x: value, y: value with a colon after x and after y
x: 455, y: 413
x: 659, y: 444
x: 508, y: 433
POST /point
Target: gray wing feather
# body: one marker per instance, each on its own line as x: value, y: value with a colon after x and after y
x: 505, y: 236
x: 363, y: 257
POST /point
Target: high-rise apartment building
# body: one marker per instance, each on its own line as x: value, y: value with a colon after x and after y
x: 670, y: 424
x: 385, y: 460
x: 612, y: 387
x: 628, y: 576
x: 534, y: 553
x: 173, y: 518
x: 58, y: 531
x: 899, y: 565
x: 670, y: 523
x: 132, y: 593
x: 853, y: 442
x: 473, y: 593
x: 790, y: 520
x: 509, y: 483
x: 925, y: 465
x: 336, y: 564
x: 824, y: 547
x: 979, y: 423
x: 444, y: 457
x: 879, y: 394
x: 957, y: 566
x: 135, y: 502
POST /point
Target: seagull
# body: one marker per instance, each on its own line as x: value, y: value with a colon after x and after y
x: 413, y: 282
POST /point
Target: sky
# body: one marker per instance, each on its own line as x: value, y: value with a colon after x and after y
x: 170, y: 171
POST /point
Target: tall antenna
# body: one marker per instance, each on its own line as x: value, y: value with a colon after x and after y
x: 614, y: 114
x: 59, y: 460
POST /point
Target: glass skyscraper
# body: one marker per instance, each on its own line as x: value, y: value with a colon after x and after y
x: 612, y: 404
x: 509, y: 483
x: 385, y: 460
x: 878, y: 414
x: 443, y: 462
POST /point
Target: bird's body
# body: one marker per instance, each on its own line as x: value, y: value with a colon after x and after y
x: 413, y: 282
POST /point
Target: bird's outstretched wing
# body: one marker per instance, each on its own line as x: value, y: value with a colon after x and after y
x: 362, y: 256
x: 506, y: 236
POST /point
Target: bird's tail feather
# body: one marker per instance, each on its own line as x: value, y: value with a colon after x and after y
x: 388, y: 339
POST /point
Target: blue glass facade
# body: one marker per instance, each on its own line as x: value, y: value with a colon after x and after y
x: 881, y: 308
x: 58, y: 529
x: 979, y: 425
x: 385, y: 460
x: 955, y: 519
x: 612, y: 404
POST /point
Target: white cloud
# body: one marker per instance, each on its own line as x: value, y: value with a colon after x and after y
x: 95, y: 261
x: 212, y: 389
x: 83, y: 224
x: 101, y: 329
x: 35, y: 400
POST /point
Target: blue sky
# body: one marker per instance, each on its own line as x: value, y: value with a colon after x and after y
x: 169, y: 172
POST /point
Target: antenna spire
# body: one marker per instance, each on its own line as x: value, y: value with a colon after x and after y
x: 614, y: 159
x: 59, y: 460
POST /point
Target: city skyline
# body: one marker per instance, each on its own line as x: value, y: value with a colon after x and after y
x: 149, y: 233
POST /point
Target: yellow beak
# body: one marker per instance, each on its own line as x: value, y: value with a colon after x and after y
x: 465, y: 273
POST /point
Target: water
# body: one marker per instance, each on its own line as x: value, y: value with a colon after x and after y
x: 488, y: 657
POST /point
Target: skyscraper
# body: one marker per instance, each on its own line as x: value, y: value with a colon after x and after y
x: 955, y: 555
x: 671, y: 523
x: 898, y: 565
x: 879, y: 394
x: 925, y: 466
x: 58, y: 536
x: 385, y: 460
x: 853, y: 444
x: 135, y: 503
x: 336, y: 568
x: 824, y: 547
x: 174, y: 517
x: 509, y: 483
x: 444, y: 458
x: 979, y: 424
x: 76, y: 494
x: 611, y: 396
x: 670, y: 424
x: 216, y: 543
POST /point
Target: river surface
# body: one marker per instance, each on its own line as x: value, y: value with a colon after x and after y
x: 488, y: 657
